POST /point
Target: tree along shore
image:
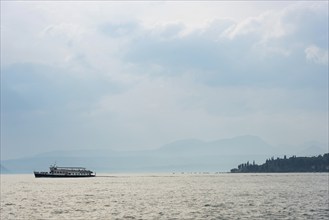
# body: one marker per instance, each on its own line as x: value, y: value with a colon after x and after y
x: 292, y: 164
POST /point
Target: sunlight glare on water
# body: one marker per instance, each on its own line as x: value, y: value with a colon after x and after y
x: 172, y: 196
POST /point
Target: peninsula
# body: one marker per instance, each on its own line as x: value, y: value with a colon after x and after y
x: 293, y: 164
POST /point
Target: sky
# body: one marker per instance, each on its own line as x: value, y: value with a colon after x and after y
x: 137, y: 75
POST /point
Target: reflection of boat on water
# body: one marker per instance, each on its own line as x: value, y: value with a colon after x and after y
x: 68, y: 172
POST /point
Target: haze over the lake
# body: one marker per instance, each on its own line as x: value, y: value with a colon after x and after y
x: 138, y: 75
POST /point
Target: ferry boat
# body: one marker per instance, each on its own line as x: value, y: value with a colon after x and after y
x: 65, y: 172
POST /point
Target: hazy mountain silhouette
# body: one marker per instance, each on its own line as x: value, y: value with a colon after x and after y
x: 182, y: 155
x: 313, y: 150
x: 241, y: 145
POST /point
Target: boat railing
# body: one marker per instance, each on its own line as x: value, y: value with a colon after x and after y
x: 69, y: 168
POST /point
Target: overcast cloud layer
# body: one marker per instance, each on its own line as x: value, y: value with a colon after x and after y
x: 137, y: 75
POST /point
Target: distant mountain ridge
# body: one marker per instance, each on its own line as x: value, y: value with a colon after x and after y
x: 182, y: 155
x: 240, y: 145
x: 312, y: 151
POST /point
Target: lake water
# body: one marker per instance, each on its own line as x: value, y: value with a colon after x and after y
x: 172, y: 196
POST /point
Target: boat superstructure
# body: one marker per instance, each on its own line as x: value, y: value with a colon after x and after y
x: 55, y: 171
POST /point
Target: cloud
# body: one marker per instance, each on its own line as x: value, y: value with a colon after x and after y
x: 317, y: 55
x: 110, y: 75
x: 29, y: 88
x: 267, y: 50
x: 119, y: 30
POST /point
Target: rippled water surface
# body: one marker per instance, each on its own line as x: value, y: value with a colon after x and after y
x: 174, y: 196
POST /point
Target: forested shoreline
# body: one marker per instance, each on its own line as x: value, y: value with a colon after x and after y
x: 293, y: 164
